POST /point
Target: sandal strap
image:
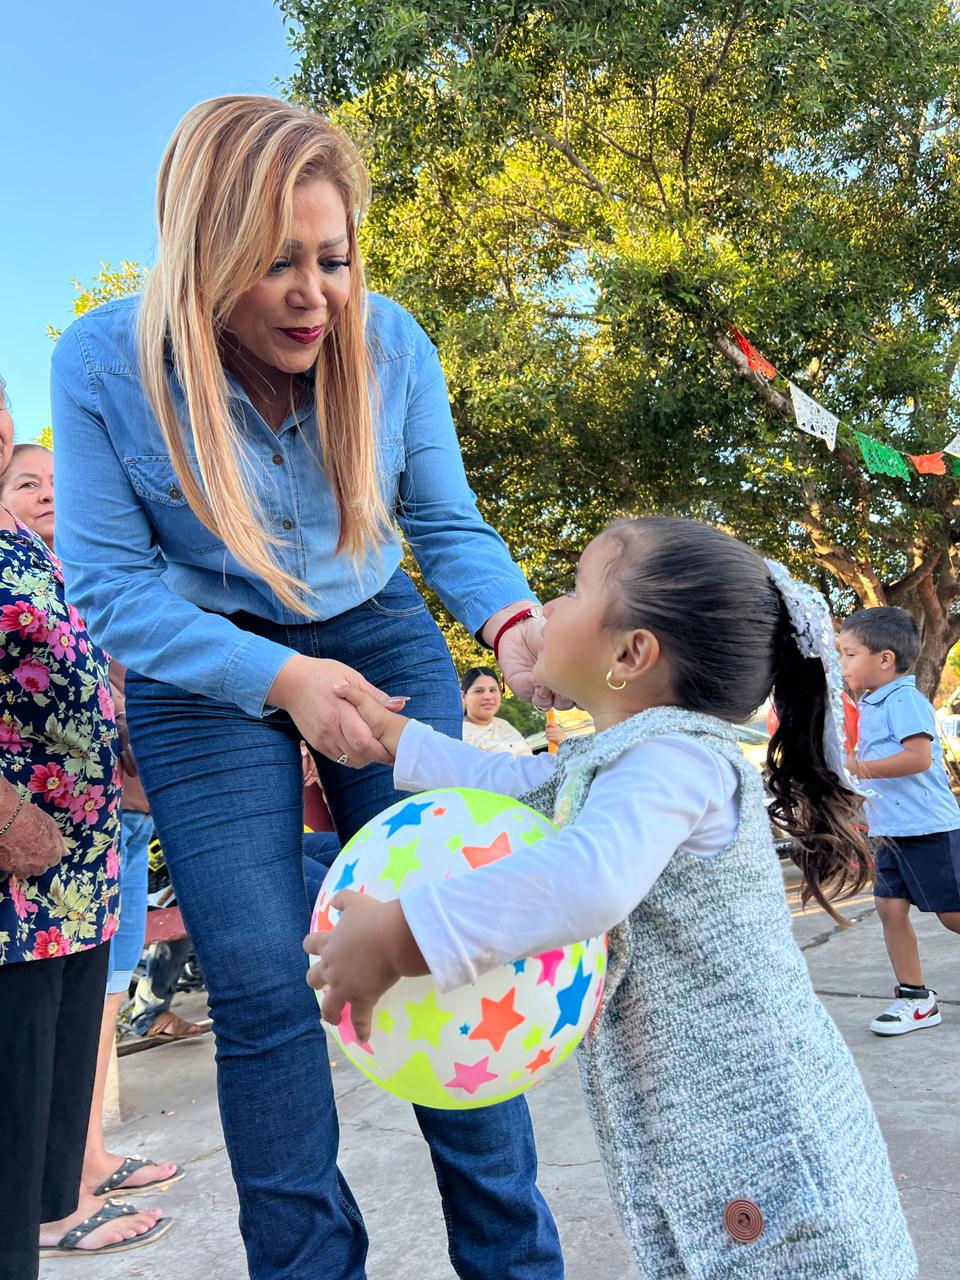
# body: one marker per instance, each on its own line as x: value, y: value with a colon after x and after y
x: 169, y: 1024
x: 108, y: 1213
x: 130, y: 1165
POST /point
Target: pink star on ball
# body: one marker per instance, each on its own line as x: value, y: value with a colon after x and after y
x: 347, y: 1033
x: 471, y: 1077
x: 549, y: 962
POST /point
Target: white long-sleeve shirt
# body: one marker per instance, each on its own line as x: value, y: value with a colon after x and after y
x: 659, y: 796
x: 495, y: 736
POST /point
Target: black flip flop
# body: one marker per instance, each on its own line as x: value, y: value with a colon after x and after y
x: 132, y: 1165
x: 69, y: 1243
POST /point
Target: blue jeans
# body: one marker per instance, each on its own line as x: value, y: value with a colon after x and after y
x: 226, y: 792
x: 126, y: 944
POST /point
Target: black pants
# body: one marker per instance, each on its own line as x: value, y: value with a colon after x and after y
x: 50, y: 1016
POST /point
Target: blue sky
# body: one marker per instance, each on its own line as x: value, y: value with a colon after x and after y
x: 89, y: 95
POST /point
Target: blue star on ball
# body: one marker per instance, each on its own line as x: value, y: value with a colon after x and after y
x: 411, y: 815
x: 570, y: 1000
x: 346, y: 876
x: 465, y: 1030
x: 518, y: 965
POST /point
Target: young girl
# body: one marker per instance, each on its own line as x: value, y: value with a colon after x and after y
x: 734, y: 1129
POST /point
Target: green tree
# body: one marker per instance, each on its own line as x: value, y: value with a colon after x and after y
x: 105, y: 286
x: 576, y: 199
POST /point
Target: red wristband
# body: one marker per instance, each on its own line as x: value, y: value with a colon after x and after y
x: 531, y: 611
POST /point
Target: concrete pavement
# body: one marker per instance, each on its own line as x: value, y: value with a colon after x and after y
x: 169, y: 1103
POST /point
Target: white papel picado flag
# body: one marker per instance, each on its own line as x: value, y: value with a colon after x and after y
x: 813, y: 418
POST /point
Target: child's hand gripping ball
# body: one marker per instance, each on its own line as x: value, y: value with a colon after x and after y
x: 482, y: 1043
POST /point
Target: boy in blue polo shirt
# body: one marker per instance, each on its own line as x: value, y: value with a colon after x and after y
x: 912, y: 813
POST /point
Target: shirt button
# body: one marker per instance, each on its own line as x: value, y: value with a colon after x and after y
x: 743, y: 1220
x: 288, y: 524
x: 174, y: 493
x: 278, y: 459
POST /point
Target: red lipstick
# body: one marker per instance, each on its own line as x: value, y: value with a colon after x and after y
x: 304, y: 336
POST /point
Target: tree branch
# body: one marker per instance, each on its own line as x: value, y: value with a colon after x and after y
x: 651, y: 158
x: 638, y: 156
x: 911, y: 580
x: 508, y: 27
x: 732, y: 353
x: 706, y: 84
x: 861, y: 578
x: 593, y: 182
x: 578, y: 315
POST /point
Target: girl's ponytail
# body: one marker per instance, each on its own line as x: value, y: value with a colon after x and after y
x: 728, y: 622
x: 810, y: 802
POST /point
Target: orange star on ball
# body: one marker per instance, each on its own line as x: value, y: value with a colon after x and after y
x: 541, y: 1060
x: 498, y: 1020
x: 480, y: 855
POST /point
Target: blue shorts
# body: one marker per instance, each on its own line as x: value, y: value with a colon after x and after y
x: 923, y: 869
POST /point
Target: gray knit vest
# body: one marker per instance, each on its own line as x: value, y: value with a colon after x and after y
x: 713, y: 1073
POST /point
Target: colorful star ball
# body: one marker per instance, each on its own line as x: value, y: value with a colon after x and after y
x: 489, y: 1041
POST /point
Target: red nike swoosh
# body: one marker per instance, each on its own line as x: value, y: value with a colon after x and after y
x: 919, y: 1017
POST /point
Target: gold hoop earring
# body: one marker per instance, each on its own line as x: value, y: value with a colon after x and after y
x: 615, y: 687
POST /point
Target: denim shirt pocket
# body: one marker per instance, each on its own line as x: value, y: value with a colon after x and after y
x: 390, y: 455
x: 156, y: 484
x: 741, y: 1214
x: 391, y: 460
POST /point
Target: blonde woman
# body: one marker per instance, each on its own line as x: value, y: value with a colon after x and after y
x: 256, y: 423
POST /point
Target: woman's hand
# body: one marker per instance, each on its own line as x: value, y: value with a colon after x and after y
x: 33, y: 843
x: 127, y: 761
x: 370, y: 948
x: 118, y: 682
x: 517, y: 653
x: 555, y: 734
x: 310, y: 776
x: 386, y: 726
x: 304, y: 688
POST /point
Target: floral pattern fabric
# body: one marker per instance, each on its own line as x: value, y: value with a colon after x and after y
x: 59, y: 748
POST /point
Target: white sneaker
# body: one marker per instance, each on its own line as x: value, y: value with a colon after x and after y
x: 907, y: 1014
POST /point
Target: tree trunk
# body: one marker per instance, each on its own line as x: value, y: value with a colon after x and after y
x: 933, y: 656
x: 929, y: 602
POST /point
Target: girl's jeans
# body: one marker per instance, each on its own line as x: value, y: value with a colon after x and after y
x: 226, y: 791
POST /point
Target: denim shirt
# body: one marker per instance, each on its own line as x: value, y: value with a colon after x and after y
x: 921, y: 803
x: 154, y: 583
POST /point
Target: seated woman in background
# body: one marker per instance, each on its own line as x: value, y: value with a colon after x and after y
x: 482, y: 727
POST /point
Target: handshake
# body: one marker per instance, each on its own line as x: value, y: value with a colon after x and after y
x: 385, y: 725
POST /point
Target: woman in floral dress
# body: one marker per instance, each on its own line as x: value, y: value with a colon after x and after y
x: 59, y: 828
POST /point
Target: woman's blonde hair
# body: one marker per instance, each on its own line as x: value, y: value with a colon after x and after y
x: 224, y: 208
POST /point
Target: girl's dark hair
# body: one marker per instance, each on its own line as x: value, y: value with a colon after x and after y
x: 726, y: 635
x: 473, y: 675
